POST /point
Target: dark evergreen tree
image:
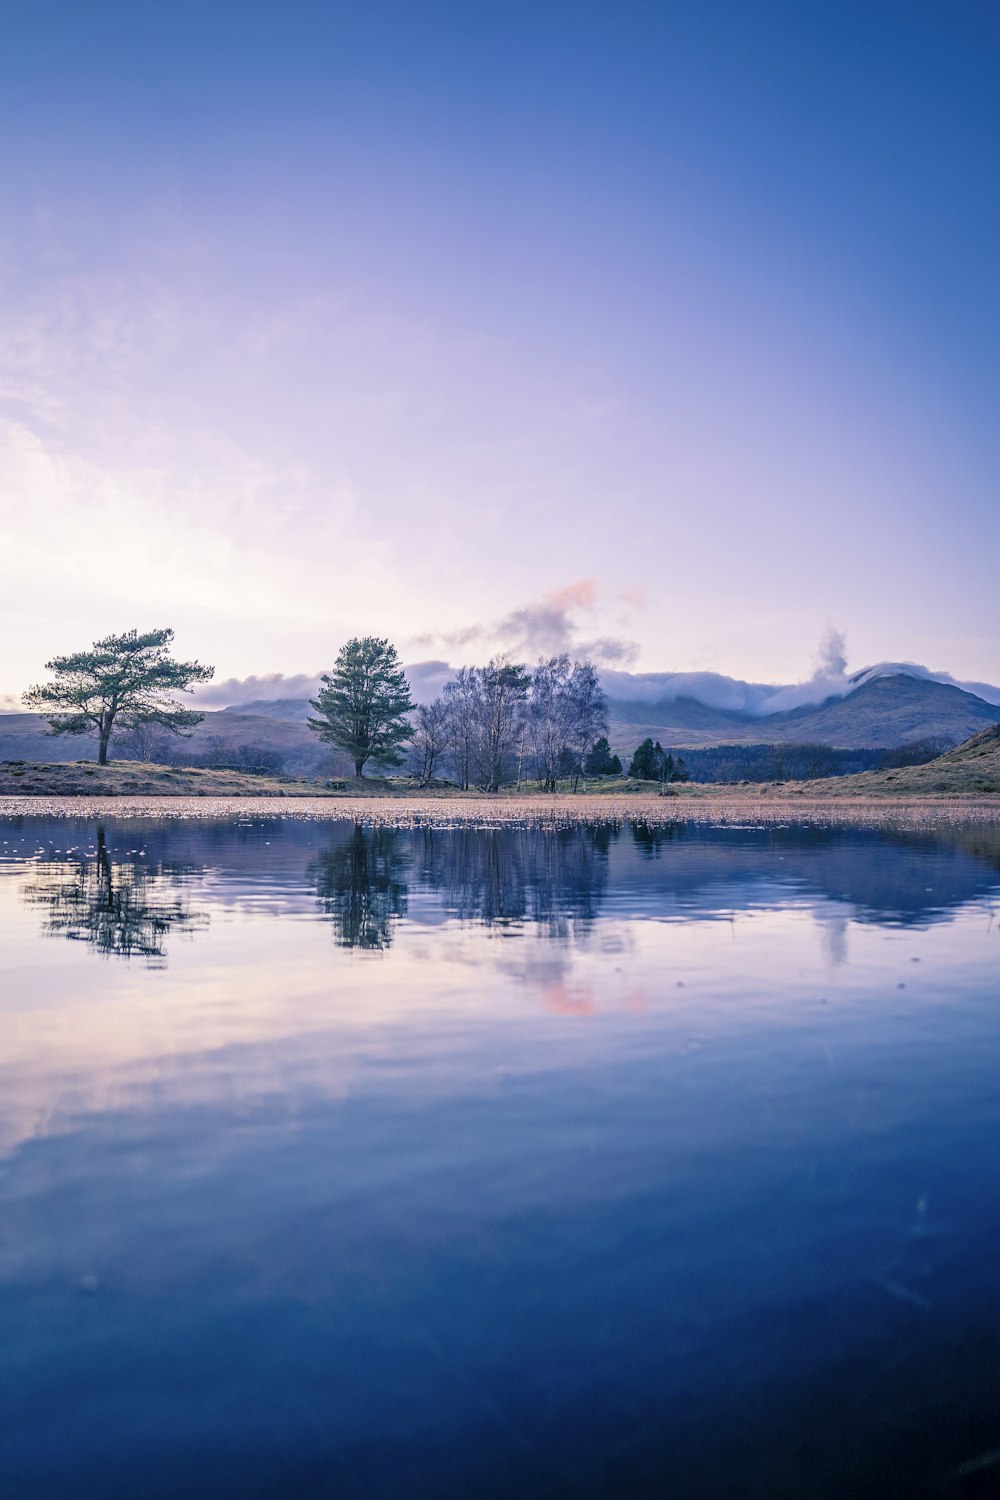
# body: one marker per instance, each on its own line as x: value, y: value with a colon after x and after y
x: 600, y: 761
x: 644, y: 765
x: 680, y: 771
x: 124, y: 681
x: 363, y: 706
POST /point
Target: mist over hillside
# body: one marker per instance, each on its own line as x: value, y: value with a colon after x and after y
x: 880, y: 708
x: 714, y: 692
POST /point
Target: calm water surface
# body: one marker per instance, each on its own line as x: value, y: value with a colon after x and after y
x: 609, y: 1161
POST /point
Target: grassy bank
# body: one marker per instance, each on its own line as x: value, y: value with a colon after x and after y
x: 971, y: 770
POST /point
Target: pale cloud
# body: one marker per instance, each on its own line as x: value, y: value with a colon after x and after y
x: 218, y: 542
x: 233, y: 692
x: 734, y: 695
x: 271, y: 469
x: 561, y: 621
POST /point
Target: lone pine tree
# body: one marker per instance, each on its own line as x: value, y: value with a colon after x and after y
x: 122, y: 682
x: 362, y: 707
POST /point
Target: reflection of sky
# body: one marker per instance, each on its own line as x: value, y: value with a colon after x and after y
x: 500, y: 1203
x: 262, y: 982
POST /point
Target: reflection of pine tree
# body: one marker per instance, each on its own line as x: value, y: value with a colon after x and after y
x: 118, y: 907
x: 361, y: 884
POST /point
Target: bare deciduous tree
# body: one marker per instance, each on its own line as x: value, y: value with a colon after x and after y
x: 588, y: 711
x: 503, y: 687
x: 462, y: 700
x: 430, y: 736
x: 551, y: 716
x: 141, y: 742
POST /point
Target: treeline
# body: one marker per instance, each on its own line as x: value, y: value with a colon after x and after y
x: 803, y: 760
x: 492, y: 725
x: 503, y: 722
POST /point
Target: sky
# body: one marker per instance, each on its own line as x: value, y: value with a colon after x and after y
x: 660, y: 331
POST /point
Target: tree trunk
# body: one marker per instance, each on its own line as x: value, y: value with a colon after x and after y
x: 358, y: 769
x: 102, y: 747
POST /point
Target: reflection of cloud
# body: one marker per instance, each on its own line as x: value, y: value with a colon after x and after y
x: 567, y: 999
x: 833, y: 929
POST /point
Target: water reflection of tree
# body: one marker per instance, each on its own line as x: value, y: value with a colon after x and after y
x: 361, y: 883
x: 649, y: 838
x: 505, y: 876
x: 120, y: 907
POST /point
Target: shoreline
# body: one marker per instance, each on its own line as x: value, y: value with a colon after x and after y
x: 729, y: 806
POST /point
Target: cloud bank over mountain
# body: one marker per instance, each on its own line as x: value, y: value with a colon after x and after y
x: 985, y: 690
x: 233, y: 692
x: 586, y: 622
x: 830, y: 679
x: 712, y: 689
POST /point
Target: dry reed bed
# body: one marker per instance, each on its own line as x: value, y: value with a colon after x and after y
x: 735, y: 809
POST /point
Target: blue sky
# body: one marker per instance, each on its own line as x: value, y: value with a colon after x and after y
x: 416, y: 318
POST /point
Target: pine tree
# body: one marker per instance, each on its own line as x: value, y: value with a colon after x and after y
x: 644, y: 765
x: 123, y: 682
x: 600, y: 761
x: 363, y: 706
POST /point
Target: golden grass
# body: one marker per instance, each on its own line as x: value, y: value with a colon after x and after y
x: 708, y: 805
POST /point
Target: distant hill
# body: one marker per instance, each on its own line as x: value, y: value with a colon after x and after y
x: 883, y: 711
x: 679, y: 723
x: 683, y: 715
x: 275, y: 708
x: 973, y: 767
x: 24, y: 737
x: 887, y: 711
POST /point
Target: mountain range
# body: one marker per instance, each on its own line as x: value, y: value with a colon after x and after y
x: 881, y: 708
x: 879, y: 711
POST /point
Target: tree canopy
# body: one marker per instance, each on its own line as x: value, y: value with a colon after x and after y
x: 121, y: 682
x: 599, y: 760
x: 363, y: 704
x: 652, y: 763
x: 503, y: 687
x: 499, y: 721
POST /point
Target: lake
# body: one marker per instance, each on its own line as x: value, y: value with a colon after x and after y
x: 609, y: 1159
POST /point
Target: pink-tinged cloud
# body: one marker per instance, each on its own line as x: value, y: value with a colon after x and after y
x: 561, y: 622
